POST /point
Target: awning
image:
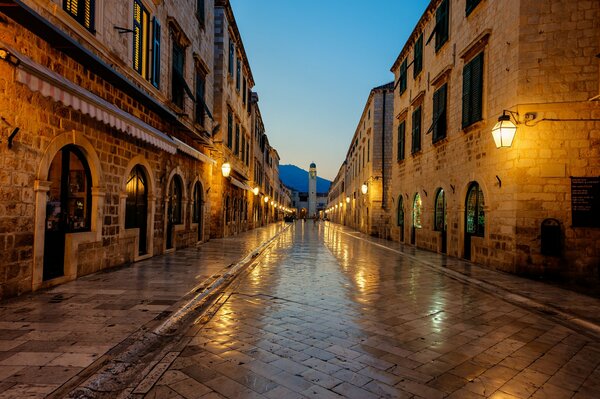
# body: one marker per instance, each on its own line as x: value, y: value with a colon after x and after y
x: 192, y: 152
x: 50, y: 84
x: 239, y: 184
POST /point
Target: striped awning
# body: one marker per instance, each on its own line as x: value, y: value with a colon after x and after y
x: 52, y: 85
x: 239, y: 184
x: 192, y: 152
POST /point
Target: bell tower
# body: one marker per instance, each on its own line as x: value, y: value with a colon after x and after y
x: 312, y: 190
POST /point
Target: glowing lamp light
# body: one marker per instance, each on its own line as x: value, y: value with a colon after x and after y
x: 226, y: 169
x: 347, y: 200
x: 266, y: 199
x: 364, y: 189
x: 504, y: 131
x: 255, y: 190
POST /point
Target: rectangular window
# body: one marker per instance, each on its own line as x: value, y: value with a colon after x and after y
x: 178, y: 83
x: 439, y: 113
x: 238, y: 73
x: 244, y: 90
x: 471, y: 4
x: 200, y: 12
x: 83, y: 11
x: 369, y: 150
x: 243, y: 148
x: 418, y: 61
x: 200, y: 87
x: 140, y: 38
x: 155, y: 78
x: 403, y: 73
x: 472, y: 97
x: 401, y: 140
x: 236, y: 150
x: 229, y: 129
x: 416, y: 130
x: 442, y: 24
x: 231, y: 57
x: 247, y: 153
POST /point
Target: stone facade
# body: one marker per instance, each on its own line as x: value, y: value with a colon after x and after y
x: 535, y: 59
x: 110, y: 159
x: 368, y: 162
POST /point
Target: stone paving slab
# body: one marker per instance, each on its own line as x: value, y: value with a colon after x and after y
x: 324, y: 315
x: 50, y: 336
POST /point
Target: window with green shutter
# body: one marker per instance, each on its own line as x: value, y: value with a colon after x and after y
x: 442, y: 24
x: 416, y: 130
x: 236, y: 147
x: 200, y: 87
x: 231, y: 57
x: 401, y: 140
x: 439, y: 113
x: 140, y: 38
x: 418, y: 61
x: 229, y: 129
x: 83, y: 11
x: 471, y: 4
x: 472, y: 91
x: 200, y: 12
x: 155, y: 77
x: 238, y: 73
x: 403, y: 72
x: 177, y: 82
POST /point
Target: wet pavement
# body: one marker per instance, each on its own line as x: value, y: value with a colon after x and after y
x: 63, y: 334
x: 327, y: 313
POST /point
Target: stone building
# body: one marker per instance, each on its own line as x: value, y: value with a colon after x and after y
x: 529, y: 207
x: 106, y: 134
x: 360, y: 194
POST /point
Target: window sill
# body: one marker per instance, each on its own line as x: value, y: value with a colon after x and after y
x: 473, y: 126
x: 438, y: 49
x: 440, y: 140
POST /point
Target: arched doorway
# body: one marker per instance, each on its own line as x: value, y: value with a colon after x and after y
x: 197, y: 208
x: 474, y: 216
x: 416, y: 218
x: 174, y: 208
x: 68, y: 206
x: 440, y: 223
x: 400, y: 217
x: 136, y: 205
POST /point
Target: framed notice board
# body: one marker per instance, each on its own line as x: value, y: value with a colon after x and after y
x: 585, y: 201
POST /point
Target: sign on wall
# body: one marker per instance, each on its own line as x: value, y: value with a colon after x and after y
x: 585, y: 201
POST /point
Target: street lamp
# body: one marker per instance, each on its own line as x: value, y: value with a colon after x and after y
x: 266, y: 199
x: 364, y: 188
x: 255, y: 190
x: 226, y: 169
x: 504, y: 131
x: 347, y: 200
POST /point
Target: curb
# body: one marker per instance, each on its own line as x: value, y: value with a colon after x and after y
x: 570, y: 320
x: 135, y: 355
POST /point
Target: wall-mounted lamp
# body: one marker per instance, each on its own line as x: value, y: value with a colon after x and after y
x: 347, y: 200
x: 255, y: 190
x: 226, y: 169
x: 504, y: 131
x: 266, y: 199
x: 364, y: 188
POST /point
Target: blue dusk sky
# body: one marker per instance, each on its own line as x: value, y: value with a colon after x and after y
x: 314, y: 63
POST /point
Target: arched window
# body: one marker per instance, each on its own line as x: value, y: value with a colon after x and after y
x: 440, y: 211
x: 400, y: 215
x: 175, y: 199
x: 417, y: 209
x: 475, y: 215
x: 136, y: 205
x: 197, y: 203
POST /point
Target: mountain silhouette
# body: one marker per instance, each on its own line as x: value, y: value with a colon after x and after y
x: 297, y: 179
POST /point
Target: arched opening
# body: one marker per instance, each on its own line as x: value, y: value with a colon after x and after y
x: 68, y: 206
x: 197, y: 208
x: 474, y: 216
x: 174, y: 208
x: 440, y: 223
x: 400, y: 217
x: 416, y: 217
x: 136, y: 205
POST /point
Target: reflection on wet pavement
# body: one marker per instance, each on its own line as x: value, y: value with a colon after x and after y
x: 325, y: 315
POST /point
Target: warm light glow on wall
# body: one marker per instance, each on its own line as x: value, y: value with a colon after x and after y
x: 255, y: 190
x: 364, y: 188
x: 226, y: 169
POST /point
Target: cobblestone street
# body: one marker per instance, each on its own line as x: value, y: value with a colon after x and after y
x: 330, y: 313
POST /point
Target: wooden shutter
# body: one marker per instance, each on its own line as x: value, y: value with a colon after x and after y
x: 137, y: 36
x: 200, y: 98
x: 441, y: 29
x: 155, y: 79
x: 229, y: 129
x: 403, y: 72
x: 439, y: 113
x: 466, y: 97
x: 88, y: 15
x: 416, y: 130
x: 477, y: 88
x: 418, y: 61
x: 401, y: 140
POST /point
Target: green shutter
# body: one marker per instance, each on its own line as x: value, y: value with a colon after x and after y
x: 401, y: 140
x: 466, y: 97
x: 403, y: 73
x: 155, y: 79
x: 416, y: 130
x: 229, y: 129
x: 477, y: 88
x: 418, y: 61
x: 441, y: 20
x: 439, y: 113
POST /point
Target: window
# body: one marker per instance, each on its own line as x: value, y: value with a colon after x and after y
x: 140, y: 38
x: 475, y: 215
x: 471, y: 4
x: 472, y: 91
x: 243, y: 148
x: 231, y: 56
x: 200, y: 12
x: 439, y: 113
x: 401, y: 140
x: 418, y: 61
x: 417, y: 209
x: 368, y: 150
x: 416, y: 130
x: 403, y: 71
x: 244, y: 91
x: 136, y: 205
x: 83, y: 11
x: 175, y: 198
x: 238, y: 73
x: 229, y: 129
x: 236, y: 150
x: 200, y: 86
x: 248, y: 153
x: 177, y: 84
x: 197, y: 204
x: 441, y: 24
x: 440, y: 211
x: 400, y: 215
x: 155, y: 77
